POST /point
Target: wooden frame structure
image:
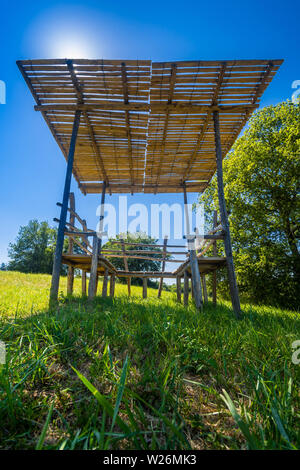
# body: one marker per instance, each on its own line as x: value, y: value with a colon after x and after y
x: 141, y: 126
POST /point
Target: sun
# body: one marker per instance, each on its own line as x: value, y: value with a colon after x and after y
x: 73, y: 47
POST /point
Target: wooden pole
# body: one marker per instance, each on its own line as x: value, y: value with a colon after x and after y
x: 83, y: 273
x: 94, y: 269
x: 112, y: 285
x: 214, y: 283
x: 70, y: 277
x: 192, y: 290
x: 178, y: 288
x: 105, y: 277
x: 97, y: 244
x: 83, y: 282
x: 144, y: 288
x: 105, y: 283
x: 129, y: 286
x: 205, y: 297
x: 163, y: 267
x: 185, y: 289
x: 196, y: 281
x: 101, y: 216
x: 63, y: 214
x: 224, y: 220
x: 126, y: 266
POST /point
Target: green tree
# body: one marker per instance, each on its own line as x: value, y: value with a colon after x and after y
x: 261, y: 183
x: 135, y: 264
x: 34, y: 248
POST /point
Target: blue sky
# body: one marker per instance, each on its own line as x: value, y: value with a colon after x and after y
x: 32, y: 168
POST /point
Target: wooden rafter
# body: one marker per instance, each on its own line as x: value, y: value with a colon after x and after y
x: 214, y: 103
x: 87, y: 120
x: 127, y: 121
x: 170, y: 98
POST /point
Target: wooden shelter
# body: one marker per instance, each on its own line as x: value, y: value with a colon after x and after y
x: 140, y: 126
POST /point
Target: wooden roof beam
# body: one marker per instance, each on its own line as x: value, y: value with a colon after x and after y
x: 259, y: 90
x: 127, y: 121
x: 87, y: 120
x: 170, y: 98
x: 159, y: 108
x: 206, y: 122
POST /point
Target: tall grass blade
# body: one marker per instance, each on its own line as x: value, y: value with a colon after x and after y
x: 42, y: 437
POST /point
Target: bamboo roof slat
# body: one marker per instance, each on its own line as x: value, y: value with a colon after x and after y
x: 146, y: 126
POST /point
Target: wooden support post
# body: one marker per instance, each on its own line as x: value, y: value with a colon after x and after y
x: 83, y: 273
x: 215, y: 253
x: 83, y: 282
x: 196, y: 281
x: 97, y: 283
x: 63, y: 214
x: 185, y: 289
x: 105, y: 283
x: 126, y: 266
x: 224, y: 221
x: 112, y: 285
x: 94, y: 268
x: 205, y: 297
x: 101, y: 220
x: 105, y: 278
x: 129, y: 286
x: 144, y: 288
x: 97, y: 244
x: 70, y: 277
x: 163, y: 267
x: 178, y: 288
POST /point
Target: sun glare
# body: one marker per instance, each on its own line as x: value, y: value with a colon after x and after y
x: 72, y: 47
x: 59, y: 33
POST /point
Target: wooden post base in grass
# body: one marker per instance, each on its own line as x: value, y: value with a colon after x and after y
x: 234, y: 293
x: 63, y: 214
x: 129, y: 286
x: 215, y: 253
x: 94, y: 269
x: 161, y: 281
x: 70, y: 277
x: 144, y: 288
x: 205, y: 296
x: 83, y: 282
x: 178, y: 288
x: 185, y: 289
x: 112, y: 285
x: 105, y: 283
x: 196, y: 281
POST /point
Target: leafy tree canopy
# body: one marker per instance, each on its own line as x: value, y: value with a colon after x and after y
x: 33, y: 249
x: 135, y: 264
x: 261, y: 183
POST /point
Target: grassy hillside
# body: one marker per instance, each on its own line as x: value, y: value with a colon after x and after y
x: 143, y: 374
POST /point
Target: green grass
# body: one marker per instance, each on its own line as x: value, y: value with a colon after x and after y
x: 143, y: 374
